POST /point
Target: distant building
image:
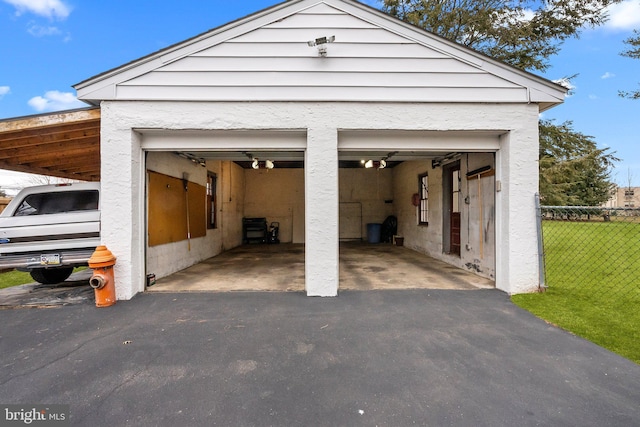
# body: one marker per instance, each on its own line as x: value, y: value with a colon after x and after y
x: 624, y: 197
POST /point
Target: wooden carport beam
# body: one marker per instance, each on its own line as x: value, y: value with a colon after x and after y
x: 63, y: 144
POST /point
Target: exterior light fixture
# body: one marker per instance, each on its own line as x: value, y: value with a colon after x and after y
x: 321, y: 43
x: 268, y: 164
x: 383, y: 164
x: 255, y: 164
x: 368, y: 164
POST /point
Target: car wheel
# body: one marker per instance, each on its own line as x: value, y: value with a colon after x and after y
x: 52, y: 275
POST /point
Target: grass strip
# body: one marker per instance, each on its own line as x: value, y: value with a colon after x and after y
x: 592, y: 270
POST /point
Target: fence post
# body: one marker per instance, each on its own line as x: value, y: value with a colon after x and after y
x: 542, y: 286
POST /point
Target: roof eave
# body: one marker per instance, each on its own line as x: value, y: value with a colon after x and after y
x: 136, y: 62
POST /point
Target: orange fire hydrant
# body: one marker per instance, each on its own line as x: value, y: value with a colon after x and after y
x: 103, y: 281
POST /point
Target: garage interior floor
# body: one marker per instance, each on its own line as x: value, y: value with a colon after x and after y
x: 280, y: 268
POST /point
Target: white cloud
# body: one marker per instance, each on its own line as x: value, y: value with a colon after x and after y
x: 4, y: 90
x: 607, y: 75
x: 528, y: 15
x: 54, y: 100
x: 47, y: 8
x: 624, y: 15
x: 593, y: 97
x: 40, y: 31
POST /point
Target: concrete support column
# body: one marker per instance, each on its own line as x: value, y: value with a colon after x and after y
x: 517, y: 182
x: 122, y: 187
x: 321, y: 212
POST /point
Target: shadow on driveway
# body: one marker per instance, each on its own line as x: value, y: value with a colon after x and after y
x: 386, y: 358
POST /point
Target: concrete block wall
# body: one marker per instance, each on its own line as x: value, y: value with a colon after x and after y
x: 422, y: 238
x: 278, y: 196
x: 231, y: 200
x: 372, y: 190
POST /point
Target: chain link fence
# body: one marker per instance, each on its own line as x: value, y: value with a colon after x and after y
x: 591, y: 252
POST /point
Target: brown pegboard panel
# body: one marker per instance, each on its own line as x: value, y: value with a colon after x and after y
x: 167, y: 212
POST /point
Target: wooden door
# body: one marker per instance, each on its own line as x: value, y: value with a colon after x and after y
x: 452, y: 208
x: 455, y: 233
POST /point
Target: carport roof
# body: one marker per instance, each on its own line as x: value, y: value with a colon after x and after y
x: 63, y: 144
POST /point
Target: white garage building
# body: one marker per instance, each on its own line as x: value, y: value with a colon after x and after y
x: 316, y: 87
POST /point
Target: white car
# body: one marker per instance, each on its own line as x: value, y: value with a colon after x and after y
x: 50, y: 229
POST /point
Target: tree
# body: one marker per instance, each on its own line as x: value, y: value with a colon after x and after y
x: 522, y: 33
x: 525, y: 34
x: 573, y: 170
x: 629, y: 179
x: 46, y: 180
x: 633, y: 52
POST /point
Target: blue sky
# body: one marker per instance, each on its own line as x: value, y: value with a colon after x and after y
x: 46, y: 46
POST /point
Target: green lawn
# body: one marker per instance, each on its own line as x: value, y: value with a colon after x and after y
x: 593, y: 278
x: 15, y: 278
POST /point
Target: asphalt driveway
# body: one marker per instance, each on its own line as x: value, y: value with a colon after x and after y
x: 385, y: 358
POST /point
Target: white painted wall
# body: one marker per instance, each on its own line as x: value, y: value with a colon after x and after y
x: 122, y: 204
x: 321, y: 261
x: 363, y: 193
x: 422, y: 238
x: 123, y: 171
x: 231, y: 196
x: 517, y: 172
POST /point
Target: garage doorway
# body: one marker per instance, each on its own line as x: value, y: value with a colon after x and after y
x: 236, y: 186
x: 442, y: 208
x: 451, y: 182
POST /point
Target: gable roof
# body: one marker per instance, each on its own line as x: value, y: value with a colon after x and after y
x: 266, y: 57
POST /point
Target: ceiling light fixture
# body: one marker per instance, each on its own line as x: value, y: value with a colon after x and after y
x: 257, y: 164
x: 369, y: 164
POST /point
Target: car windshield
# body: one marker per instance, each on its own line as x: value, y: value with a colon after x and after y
x: 58, y: 202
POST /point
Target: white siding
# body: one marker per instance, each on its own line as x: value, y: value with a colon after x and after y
x: 365, y: 63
